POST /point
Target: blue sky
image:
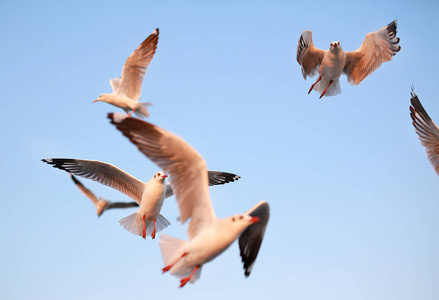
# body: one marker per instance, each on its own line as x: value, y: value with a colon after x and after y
x: 354, y: 205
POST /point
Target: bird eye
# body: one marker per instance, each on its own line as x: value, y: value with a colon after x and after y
x: 240, y: 217
x: 233, y: 219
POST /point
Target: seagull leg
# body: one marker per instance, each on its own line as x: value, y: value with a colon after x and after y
x: 325, y: 90
x: 144, y: 228
x: 129, y: 115
x: 153, y: 231
x: 185, y: 280
x: 167, y: 268
x: 320, y: 78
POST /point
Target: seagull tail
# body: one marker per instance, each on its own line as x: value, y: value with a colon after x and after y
x: 142, y: 110
x: 333, y: 89
x: 134, y: 224
x: 161, y: 223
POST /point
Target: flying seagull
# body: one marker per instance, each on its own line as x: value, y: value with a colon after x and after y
x: 427, y: 131
x: 127, y: 89
x: 100, y: 203
x: 208, y: 235
x: 148, y: 195
x: 377, y: 47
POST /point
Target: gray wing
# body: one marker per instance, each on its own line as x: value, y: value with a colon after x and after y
x: 85, y: 190
x: 121, y: 205
x: 308, y: 56
x: 250, y: 240
x: 103, y: 173
x: 215, y: 178
x: 135, y: 67
x: 427, y: 131
x: 377, y: 47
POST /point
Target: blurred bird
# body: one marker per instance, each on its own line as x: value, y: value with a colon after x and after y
x: 100, y: 203
x: 127, y: 89
x: 208, y: 235
x: 427, y: 131
x: 377, y: 47
x: 148, y: 195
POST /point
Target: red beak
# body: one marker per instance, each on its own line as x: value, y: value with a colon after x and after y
x: 96, y: 100
x: 254, y: 220
x: 164, y: 176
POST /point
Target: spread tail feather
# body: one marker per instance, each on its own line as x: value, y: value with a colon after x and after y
x: 134, y: 224
x: 334, y: 88
x: 142, y: 110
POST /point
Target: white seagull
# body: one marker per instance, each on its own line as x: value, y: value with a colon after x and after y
x: 101, y: 203
x: 208, y: 235
x: 148, y: 195
x: 377, y: 47
x: 427, y: 131
x: 127, y: 89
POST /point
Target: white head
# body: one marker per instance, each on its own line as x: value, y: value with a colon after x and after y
x: 335, y: 45
x: 103, y: 97
x: 160, y: 176
x: 241, y: 221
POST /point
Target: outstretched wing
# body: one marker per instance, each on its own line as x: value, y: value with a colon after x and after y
x: 215, y: 178
x: 377, y: 47
x: 308, y: 56
x: 251, y: 239
x: 427, y: 131
x: 135, y: 67
x: 103, y: 173
x: 85, y: 190
x: 122, y: 205
x: 184, y: 165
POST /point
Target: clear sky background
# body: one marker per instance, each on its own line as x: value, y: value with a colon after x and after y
x: 354, y: 201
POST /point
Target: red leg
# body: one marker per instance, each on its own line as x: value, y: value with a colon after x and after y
x: 325, y: 89
x: 185, y: 280
x: 320, y: 78
x: 167, y: 268
x: 153, y: 231
x: 144, y: 228
x: 129, y: 115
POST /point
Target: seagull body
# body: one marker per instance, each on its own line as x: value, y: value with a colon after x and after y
x: 208, y: 235
x: 428, y: 132
x: 101, y: 203
x: 127, y: 89
x: 149, y: 196
x: 377, y: 47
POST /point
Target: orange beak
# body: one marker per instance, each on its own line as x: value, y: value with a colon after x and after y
x: 96, y: 101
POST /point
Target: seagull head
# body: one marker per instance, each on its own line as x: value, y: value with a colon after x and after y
x: 103, y: 97
x: 335, y: 45
x: 160, y: 176
x: 241, y: 221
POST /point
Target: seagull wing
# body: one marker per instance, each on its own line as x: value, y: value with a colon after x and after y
x: 121, y: 205
x: 85, y: 190
x: 251, y: 239
x: 184, y: 165
x: 217, y: 178
x: 103, y: 173
x: 115, y: 84
x: 135, y: 67
x: 377, y: 47
x: 427, y: 131
x: 308, y: 56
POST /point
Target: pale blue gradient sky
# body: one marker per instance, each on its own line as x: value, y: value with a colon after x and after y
x: 354, y: 200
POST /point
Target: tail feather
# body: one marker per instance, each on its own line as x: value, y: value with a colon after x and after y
x: 334, y: 88
x: 142, y: 110
x: 133, y: 223
x: 161, y: 223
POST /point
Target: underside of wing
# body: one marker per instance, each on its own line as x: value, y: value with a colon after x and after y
x: 251, y: 239
x: 427, y: 131
x: 308, y: 56
x: 181, y: 162
x: 135, y: 67
x: 378, y: 47
x: 103, y: 173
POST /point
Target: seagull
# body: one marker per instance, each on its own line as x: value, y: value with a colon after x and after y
x: 208, y: 235
x: 148, y: 195
x: 427, y: 131
x: 100, y: 203
x: 127, y: 89
x: 377, y: 47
